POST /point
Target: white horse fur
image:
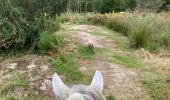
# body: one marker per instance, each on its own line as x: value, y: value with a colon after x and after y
x: 91, y: 45
x: 79, y: 92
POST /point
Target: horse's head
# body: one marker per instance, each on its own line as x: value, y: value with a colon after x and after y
x: 79, y: 92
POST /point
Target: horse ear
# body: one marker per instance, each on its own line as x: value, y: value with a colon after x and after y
x: 58, y: 86
x: 97, y: 82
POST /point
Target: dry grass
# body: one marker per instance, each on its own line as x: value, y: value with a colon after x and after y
x: 160, y: 65
x: 148, y: 30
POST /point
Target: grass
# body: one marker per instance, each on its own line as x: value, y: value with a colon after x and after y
x: 51, y: 42
x: 110, y: 97
x: 156, y: 85
x: 11, y: 53
x: 18, y: 81
x: 127, y: 61
x: 97, y: 33
x: 12, y: 98
x: 66, y: 65
x: 147, y: 30
x: 77, y: 18
x: 85, y: 52
x: 33, y: 96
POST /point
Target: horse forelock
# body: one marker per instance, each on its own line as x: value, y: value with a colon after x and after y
x: 83, y: 91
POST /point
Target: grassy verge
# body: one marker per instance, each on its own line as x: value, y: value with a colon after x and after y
x: 17, y: 82
x: 156, y: 85
x: 127, y: 61
x: 66, y: 65
x: 145, y: 30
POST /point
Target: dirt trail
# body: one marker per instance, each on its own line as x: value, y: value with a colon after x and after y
x: 119, y: 81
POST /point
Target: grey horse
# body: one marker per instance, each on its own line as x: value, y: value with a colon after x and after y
x: 79, y: 92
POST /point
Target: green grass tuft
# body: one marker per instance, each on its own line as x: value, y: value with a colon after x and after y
x: 66, y: 65
x: 85, y: 52
x: 51, y: 42
x: 127, y: 61
x: 110, y: 97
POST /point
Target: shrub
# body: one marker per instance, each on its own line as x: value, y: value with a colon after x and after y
x: 13, y: 26
x: 50, y: 42
x: 19, y: 31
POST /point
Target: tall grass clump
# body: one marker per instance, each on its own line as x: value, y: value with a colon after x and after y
x: 49, y: 42
x: 66, y: 65
x: 148, y: 30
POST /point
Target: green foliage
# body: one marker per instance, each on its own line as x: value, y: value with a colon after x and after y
x: 117, y: 26
x: 147, y: 30
x: 117, y: 5
x: 20, y: 31
x: 110, y: 97
x: 85, y: 52
x: 51, y: 42
x: 13, y: 26
x: 150, y: 31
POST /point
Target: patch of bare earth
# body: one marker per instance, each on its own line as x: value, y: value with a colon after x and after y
x: 119, y: 81
x: 36, y: 70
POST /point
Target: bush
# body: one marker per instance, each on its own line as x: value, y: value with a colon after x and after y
x: 12, y: 26
x: 50, y: 42
x: 19, y: 31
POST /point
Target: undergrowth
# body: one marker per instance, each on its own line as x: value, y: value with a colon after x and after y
x: 147, y: 30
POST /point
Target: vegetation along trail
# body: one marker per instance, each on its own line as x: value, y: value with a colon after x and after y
x: 119, y: 80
